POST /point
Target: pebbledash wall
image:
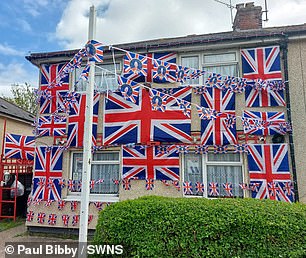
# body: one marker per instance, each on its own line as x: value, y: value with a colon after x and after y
x: 292, y: 43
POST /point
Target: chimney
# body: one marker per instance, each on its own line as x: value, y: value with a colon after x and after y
x: 248, y: 17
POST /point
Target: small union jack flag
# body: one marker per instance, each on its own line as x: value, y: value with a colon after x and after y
x: 239, y: 86
x: 75, y: 220
x: 29, y: 201
x: 48, y: 203
x: 273, y: 189
x: 176, y: 184
x: 187, y: 187
x: 94, y: 51
x: 182, y: 149
x: 214, y: 80
x: 52, y: 219
x: 229, y: 83
x: 165, y: 182
x: 199, y: 187
x: 70, y: 185
x: 98, y: 205
x: 116, y: 181
x: 241, y: 148
x: 36, y: 202
x: 181, y: 74
x: 230, y: 121
x: 201, y: 149
x: 84, y: 74
x: 41, y: 217
x: 61, y: 204
x: 126, y: 184
x: 73, y: 205
x: 149, y: 184
x: 65, y: 219
x: 100, y: 181
x: 228, y: 187
x: 185, y: 106
x: 206, y: 113
x: 92, y: 184
x: 129, y: 89
x: 162, y: 149
x: 254, y: 187
x: 199, y: 90
x: 288, y: 188
x: 30, y: 216
x: 243, y: 186
x: 62, y: 183
x: 213, y: 189
x: 158, y: 100
x: 220, y: 149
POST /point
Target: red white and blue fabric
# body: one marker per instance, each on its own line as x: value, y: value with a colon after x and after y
x: 263, y: 123
x: 47, y: 173
x: 127, y: 122
x: 163, y: 71
x: 187, y: 186
x: 128, y: 89
x: 30, y: 216
x: 262, y: 63
x: 65, y: 219
x: 19, y: 147
x: 51, y: 126
x: 126, y: 184
x: 52, y: 219
x: 66, y: 99
x: 149, y: 184
x: 213, y: 189
x: 182, y: 74
x: 74, y: 205
x: 41, y: 217
x: 75, y: 220
x: 148, y: 163
x: 98, y: 205
x: 268, y: 163
x: 201, y: 149
x: 61, y: 204
x: 158, y: 100
x: 199, y: 187
x: 228, y: 188
x: 135, y: 67
x: 214, y: 80
x: 76, y: 121
x: 49, y: 78
x: 216, y: 131
x: 94, y: 51
x: 48, y: 203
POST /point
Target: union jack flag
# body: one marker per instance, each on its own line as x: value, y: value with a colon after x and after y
x: 61, y: 204
x: 73, y: 205
x: 70, y: 185
x: 262, y: 63
x: 75, y: 220
x: 126, y: 184
x: 187, y: 186
x: 228, y: 187
x: 201, y: 149
x: 263, y: 123
x: 19, y: 146
x: 176, y: 184
x: 243, y: 186
x: 163, y: 71
x: 30, y: 216
x: 98, y: 205
x: 62, y: 183
x: 181, y: 74
x: 94, y: 51
x: 149, y: 184
x: 51, y: 126
x: 48, y: 166
x: 127, y: 122
x: 41, y: 217
x: 76, y: 121
x: 128, y: 89
x: 158, y: 100
x: 268, y: 163
x: 199, y: 187
x: 135, y: 67
x: 149, y: 164
x: 52, y: 219
x: 48, y: 203
x: 214, y: 80
x: 216, y: 131
x: 65, y: 219
x: 49, y: 80
x: 213, y: 189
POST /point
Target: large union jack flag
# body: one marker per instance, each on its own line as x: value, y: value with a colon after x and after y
x: 154, y: 67
x: 51, y: 82
x: 76, y: 121
x: 262, y: 63
x: 217, y: 131
x: 128, y: 122
x: 51, y: 126
x: 149, y: 163
x: 263, y: 123
x: 47, y: 174
x: 269, y: 171
x: 19, y: 146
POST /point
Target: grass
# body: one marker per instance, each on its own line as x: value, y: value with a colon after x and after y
x: 6, y: 224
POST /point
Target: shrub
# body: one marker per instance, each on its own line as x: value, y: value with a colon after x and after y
x: 192, y: 227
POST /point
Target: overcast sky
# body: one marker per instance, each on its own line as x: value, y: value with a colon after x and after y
x: 51, y: 25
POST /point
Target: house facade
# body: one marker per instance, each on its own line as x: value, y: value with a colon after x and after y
x: 162, y: 133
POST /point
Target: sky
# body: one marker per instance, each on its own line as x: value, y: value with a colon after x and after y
x: 34, y: 26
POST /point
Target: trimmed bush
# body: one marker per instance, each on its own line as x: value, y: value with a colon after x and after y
x: 196, y: 227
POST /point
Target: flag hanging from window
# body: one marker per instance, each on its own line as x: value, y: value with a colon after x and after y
x: 128, y: 122
x: 262, y: 63
x: 149, y: 163
x: 51, y: 126
x: 269, y: 172
x: 19, y: 147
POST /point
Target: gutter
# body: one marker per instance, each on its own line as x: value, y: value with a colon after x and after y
x: 284, y: 48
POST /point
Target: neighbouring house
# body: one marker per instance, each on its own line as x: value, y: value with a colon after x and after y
x: 16, y: 122
x: 202, y: 115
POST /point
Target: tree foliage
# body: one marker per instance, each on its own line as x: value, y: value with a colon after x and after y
x: 23, y: 96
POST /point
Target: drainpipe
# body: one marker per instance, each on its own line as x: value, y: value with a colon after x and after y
x: 284, y: 47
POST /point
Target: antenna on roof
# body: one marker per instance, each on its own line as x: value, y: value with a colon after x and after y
x: 230, y: 6
x: 266, y: 11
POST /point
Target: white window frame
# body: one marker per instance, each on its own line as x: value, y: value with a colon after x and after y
x: 206, y: 163
x: 76, y: 196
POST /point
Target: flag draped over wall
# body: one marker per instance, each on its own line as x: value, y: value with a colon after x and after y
x: 149, y: 163
x: 128, y: 122
x: 19, y: 146
x: 47, y: 173
x: 262, y: 63
x: 269, y: 171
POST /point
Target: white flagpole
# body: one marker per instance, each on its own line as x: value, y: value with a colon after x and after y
x: 87, y: 142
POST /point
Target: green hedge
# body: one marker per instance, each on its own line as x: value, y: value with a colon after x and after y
x: 192, y: 227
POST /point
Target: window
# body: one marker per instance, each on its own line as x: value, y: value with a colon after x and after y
x: 224, y: 64
x: 191, y: 62
x: 217, y: 168
x: 103, y: 79
x: 105, y: 165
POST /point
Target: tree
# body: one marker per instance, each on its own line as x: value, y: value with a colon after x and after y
x: 23, y: 96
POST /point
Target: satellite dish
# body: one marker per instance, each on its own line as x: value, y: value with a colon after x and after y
x: 278, y: 138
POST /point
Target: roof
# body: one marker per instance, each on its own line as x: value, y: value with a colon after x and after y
x: 190, y: 40
x: 13, y: 111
